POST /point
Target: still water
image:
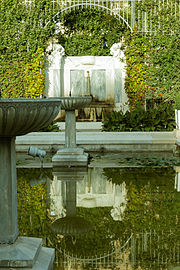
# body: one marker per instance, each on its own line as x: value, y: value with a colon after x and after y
x: 104, y: 218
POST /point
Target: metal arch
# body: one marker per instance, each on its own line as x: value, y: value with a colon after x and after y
x: 96, y: 5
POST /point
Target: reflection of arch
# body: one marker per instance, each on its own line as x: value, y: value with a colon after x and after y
x: 95, y: 5
x: 133, y: 250
x: 121, y: 250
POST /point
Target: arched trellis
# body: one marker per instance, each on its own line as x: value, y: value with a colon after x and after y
x: 129, y: 11
x: 111, y: 11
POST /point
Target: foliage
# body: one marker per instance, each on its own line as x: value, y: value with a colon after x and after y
x: 164, y: 60
x: 12, y: 76
x: 31, y: 208
x: 160, y: 118
x: 157, y: 174
x: 89, y: 32
x: 23, y: 38
x: 153, y: 59
x: 149, y: 207
x: 136, y: 84
x: 151, y: 197
x: 152, y: 205
x: 141, y: 161
x: 53, y: 127
x: 23, y: 75
x: 35, y: 75
x: 24, y: 35
x: 177, y: 101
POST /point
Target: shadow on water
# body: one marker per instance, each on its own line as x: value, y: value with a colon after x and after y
x: 104, y: 218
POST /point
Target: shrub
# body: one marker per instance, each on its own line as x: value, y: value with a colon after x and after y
x: 160, y: 118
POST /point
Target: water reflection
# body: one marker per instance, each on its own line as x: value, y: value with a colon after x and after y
x: 133, y: 215
x: 65, y: 181
x: 94, y: 190
x: 177, y: 179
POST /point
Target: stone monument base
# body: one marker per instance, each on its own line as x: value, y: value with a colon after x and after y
x: 70, y: 157
x: 26, y: 253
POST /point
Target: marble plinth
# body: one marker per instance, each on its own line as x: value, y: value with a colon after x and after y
x: 26, y: 253
x: 70, y: 157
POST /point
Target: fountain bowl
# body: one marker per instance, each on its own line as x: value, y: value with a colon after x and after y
x: 21, y: 116
x: 73, y: 103
x: 71, y: 225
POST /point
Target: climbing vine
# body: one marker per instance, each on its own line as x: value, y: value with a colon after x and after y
x: 153, y: 59
x: 137, y: 71
x: 89, y: 32
x: 35, y: 75
x: 24, y: 34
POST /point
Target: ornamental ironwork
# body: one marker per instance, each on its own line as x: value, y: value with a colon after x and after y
x: 147, y: 16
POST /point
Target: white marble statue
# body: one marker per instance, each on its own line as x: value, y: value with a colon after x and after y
x: 117, y: 52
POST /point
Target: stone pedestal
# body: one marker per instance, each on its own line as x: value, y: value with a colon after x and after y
x: 70, y: 155
x: 8, y: 191
x: 19, y: 117
x: 16, y: 252
x: 70, y: 129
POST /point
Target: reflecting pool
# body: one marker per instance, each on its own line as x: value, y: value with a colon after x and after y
x: 104, y: 217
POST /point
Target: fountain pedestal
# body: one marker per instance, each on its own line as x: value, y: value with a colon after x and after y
x: 8, y: 198
x: 18, y: 117
x: 71, y: 155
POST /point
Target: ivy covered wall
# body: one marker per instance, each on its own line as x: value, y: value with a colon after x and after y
x: 152, y: 60
x: 90, y: 32
x: 23, y: 40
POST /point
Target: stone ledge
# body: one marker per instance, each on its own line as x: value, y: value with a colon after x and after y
x: 42, y: 261
x: 23, y: 253
x: 100, y: 141
x: 83, y: 126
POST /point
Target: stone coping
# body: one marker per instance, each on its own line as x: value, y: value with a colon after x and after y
x: 101, y: 141
x: 83, y: 126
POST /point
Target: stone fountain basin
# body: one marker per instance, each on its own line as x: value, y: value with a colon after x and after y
x: 71, y: 225
x: 21, y: 116
x: 73, y: 103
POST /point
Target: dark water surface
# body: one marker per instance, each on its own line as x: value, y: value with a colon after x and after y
x: 104, y: 218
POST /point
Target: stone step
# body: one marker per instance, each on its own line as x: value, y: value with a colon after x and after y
x: 44, y: 261
x: 25, y: 256
x: 23, y: 253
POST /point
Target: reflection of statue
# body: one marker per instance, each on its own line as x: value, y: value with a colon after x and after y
x: 177, y: 179
x: 119, y: 202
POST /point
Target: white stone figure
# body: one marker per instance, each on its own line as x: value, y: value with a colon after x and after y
x: 120, y: 60
x: 53, y: 70
x: 117, y: 52
x: 60, y: 28
x: 57, y: 52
